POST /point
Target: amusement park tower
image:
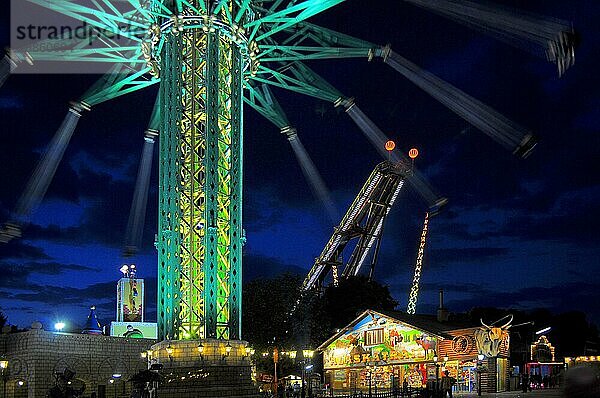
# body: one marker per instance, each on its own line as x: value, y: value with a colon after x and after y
x: 200, y: 193
x: 200, y: 58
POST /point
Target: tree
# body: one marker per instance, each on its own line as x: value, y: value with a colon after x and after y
x: 3, y: 320
x: 354, y: 295
x: 266, y: 306
x: 276, y: 314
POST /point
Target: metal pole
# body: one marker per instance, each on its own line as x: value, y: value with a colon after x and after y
x: 479, y: 383
x: 437, y: 377
x: 275, y: 379
x: 303, y: 392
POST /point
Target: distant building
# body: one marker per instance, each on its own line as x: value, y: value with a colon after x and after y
x: 102, y: 364
x: 382, y: 350
x: 543, y: 368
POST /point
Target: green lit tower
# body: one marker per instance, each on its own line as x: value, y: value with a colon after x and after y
x: 200, y: 234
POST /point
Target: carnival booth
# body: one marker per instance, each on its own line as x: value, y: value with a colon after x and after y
x: 382, y: 351
x: 543, y: 370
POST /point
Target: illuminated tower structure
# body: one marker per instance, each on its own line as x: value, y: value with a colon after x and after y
x: 200, y: 233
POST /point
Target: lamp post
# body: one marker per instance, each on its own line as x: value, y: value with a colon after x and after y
x: 480, y: 358
x: 308, y: 370
x: 306, y: 364
x: 275, y: 360
x: 437, y: 375
x: 3, y: 367
x: 227, y: 351
x: 115, y: 378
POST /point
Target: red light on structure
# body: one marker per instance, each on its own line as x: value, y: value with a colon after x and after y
x: 390, y: 145
x: 413, y: 153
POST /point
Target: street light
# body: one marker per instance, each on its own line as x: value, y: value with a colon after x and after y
x: 169, y: 349
x: 480, y: 358
x: 227, y: 351
x: 115, y: 377
x: 3, y: 367
x: 306, y: 365
x: 437, y: 374
x: 59, y: 326
x: 544, y: 330
x: 308, y: 369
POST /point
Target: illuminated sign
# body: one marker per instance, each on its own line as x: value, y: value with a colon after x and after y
x: 375, y: 338
x: 491, y: 339
x: 130, y: 300
x: 134, y: 330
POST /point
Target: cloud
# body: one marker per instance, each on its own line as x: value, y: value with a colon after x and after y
x: 562, y: 297
x: 17, y: 249
x: 257, y: 266
x: 12, y: 277
x: 15, y: 275
x: 461, y: 297
x: 467, y: 255
x: 10, y: 102
x: 571, y: 221
x: 53, y: 268
x: 58, y: 295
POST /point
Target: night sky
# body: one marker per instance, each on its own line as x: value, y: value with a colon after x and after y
x: 516, y: 233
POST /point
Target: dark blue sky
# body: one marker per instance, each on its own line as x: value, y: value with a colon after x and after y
x: 516, y: 233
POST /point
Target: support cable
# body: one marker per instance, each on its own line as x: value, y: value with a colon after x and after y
x: 540, y: 35
x: 43, y: 174
x: 504, y: 131
x: 137, y: 213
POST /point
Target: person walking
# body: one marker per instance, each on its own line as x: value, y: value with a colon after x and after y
x: 447, y: 383
x: 525, y: 382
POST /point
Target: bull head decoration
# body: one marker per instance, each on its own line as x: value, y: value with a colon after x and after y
x: 489, y: 338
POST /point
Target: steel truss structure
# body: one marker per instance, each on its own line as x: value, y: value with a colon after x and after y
x: 210, y: 57
x: 414, y: 289
x: 363, y: 222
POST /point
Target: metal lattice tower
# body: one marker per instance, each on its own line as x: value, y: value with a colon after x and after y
x: 200, y: 190
x: 414, y: 290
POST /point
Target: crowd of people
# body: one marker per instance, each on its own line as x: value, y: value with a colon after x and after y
x: 533, y: 381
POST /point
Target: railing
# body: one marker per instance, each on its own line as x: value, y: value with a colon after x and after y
x: 399, y: 393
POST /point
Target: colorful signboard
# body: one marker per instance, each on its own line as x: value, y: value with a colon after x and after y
x: 376, y: 338
x: 134, y: 330
x: 130, y: 300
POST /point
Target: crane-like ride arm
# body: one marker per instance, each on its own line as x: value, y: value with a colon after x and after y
x: 363, y: 221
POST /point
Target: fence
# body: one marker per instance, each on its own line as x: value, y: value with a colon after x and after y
x: 399, y: 393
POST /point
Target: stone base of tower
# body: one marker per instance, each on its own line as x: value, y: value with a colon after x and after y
x: 204, y: 368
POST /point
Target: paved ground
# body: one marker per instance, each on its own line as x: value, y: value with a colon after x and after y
x: 550, y: 393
